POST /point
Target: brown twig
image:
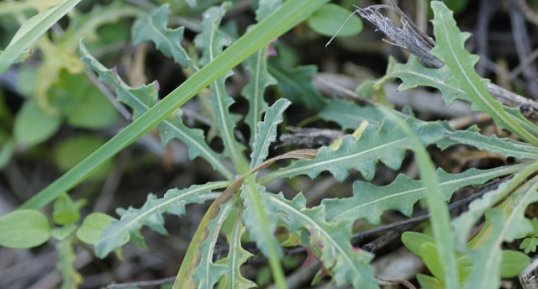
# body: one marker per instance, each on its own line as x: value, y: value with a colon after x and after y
x: 484, y: 17
x: 159, y: 282
x: 523, y: 46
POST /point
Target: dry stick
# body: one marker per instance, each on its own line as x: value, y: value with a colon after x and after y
x: 158, y: 282
x: 523, y: 46
x: 521, y: 66
x: 407, y: 36
x: 530, y: 15
x: 481, y: 32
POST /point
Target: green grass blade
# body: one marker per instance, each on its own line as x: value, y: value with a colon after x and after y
x: 287, y: 16
x: 435, y: 200
x: 142, y: 98
x: 31, y: 30
x: 261, y: 222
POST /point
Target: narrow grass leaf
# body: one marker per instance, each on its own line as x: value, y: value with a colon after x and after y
x: 212, y: 41
x: 505, y: 224
x: 31, y: 30
x: 437, y: 207
x: 141, y: 99
x: 288, y: 15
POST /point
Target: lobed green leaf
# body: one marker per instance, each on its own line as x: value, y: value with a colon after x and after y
x: 261, y: 222
x: 141, y: 100
x: 151, y: 214
x: 24, y: 229
x: 260, y: 79
x: 153, y: 27
x: 212, y: 41
x: 285, y: 17
x: 504, y: 146
x: 450, y: 49
x: 208, y: 273
x: 330, y: 240
x: 267, y: 131
x: 386, y: 144
x: 370, y: 201
x: 233, y: 229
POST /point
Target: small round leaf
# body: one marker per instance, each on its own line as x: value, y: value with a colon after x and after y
x: 33, y: 125
x: 93, y: 226
x: 24, y: 229
x: 330, y: 17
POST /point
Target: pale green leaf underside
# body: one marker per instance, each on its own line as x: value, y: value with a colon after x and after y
x: 347, y: 266
x: 267, y: 131
x: 260, y: 218
x: 151, y: 214
x: 237, y: 255
x: 260, y: 79
x: 208, y: 273
x: 370, y: 201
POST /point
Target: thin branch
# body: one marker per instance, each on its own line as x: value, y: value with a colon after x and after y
x: 522, y: 44
x: 142, y: 283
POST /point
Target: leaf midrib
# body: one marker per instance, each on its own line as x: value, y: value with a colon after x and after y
x: 491, y: 174
x: 320, y: 229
